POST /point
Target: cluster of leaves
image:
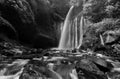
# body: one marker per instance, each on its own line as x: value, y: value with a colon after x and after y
x: 96, y: 10
x: 113, y: 8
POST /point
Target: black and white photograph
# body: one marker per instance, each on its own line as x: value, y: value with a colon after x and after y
x: 59, y: 39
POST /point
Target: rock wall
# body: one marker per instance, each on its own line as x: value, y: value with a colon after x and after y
x: 35, y: 20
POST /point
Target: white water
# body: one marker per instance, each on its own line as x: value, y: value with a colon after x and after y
x: 19, y: 63
x: 65, y: 35
x: 81, y: 32
x: 72, y: 32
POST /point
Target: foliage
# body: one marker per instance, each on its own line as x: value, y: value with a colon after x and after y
x: 103, y: 16
x: 113, y: 8
x: 97, y: 10
x: 94, y: 10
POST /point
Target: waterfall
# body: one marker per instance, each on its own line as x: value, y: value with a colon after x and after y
x: 81, y: 32
x: 65, y: 35
x: 72, y: 32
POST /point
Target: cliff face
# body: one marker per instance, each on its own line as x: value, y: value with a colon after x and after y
x: 35, y: 20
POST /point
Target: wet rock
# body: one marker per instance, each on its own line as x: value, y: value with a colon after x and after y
x: 21, y: 21
x: 31, y: 19
x: 7, y: 30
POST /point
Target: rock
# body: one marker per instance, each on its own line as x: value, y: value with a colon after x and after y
x: 21, y: 20
x: 36, y: 19
x: 44, y: 41
x: 7, y: 30
x: 31, y: 19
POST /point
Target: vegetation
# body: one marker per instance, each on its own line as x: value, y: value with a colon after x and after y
x: 103, y: 17
x: 98, y: 57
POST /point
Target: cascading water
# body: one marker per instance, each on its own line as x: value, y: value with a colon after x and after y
x: 81, y: 32
x: 65, y: 35
x: 72, y: 32
x: 20, y: 63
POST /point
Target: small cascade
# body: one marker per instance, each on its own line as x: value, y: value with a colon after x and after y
x: 10, y: 69
x: 72, y: 32
x: 76, y: 32
x: 81, y: 32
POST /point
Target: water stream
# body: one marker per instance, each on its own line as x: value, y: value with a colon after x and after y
x: 72, y: 32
